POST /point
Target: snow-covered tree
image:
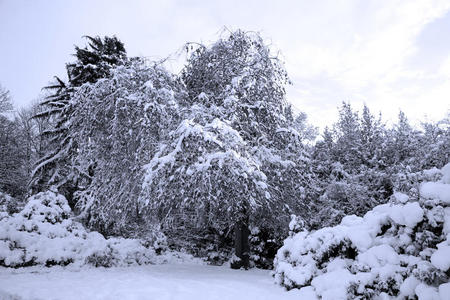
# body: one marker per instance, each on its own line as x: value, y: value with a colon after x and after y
x: 237, y: 153
x: 373, y: 140
x: 92, y: 63
x: 351, y: 163
x: 5, y: 100
x: 403, y: 144
x: 347, y: 134
x: 240, y: 79
x: 13, y: 176
x: 433, y: 147
x: 95, y: 61
x: 205, y: 170
x: 117, y: 124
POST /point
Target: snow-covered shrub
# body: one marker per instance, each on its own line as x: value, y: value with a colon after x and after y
x: 8, y: 205
x: 263, y: 247
x: 44, y: 234
x: 340, y: 199
x: 120, y: 251
x: 7, y: 296
x: 399, y: 249
x: 409, y: 182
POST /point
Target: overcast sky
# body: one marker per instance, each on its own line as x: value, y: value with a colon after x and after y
x: 390, y: 55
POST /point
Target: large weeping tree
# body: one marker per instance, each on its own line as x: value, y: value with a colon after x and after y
x: 237, y: 127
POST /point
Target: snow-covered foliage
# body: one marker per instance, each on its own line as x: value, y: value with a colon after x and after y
x: 124, y: 117
x: 8, y: 205
x: 13, y: 157
x: 399, y: 249
x: 44, y: 234
x: 236, y: 155
x: 206, y: 166
x: 136, y: 149
x: 57, y: 166
x: 241, y: 79
x: 360, y: 162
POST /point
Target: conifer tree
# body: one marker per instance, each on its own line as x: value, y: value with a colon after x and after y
x: 57, y: 167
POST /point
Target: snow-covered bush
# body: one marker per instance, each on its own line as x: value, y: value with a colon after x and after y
x: 263, y: 247
x: 44, y: 234
x: 399, y: 249
x: 8, y: 205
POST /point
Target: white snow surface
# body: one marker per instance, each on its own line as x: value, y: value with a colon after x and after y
x: 436, y: 190
x: 170, y: 281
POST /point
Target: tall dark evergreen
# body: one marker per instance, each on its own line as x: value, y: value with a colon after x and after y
x: 95, y: 60
x: 57, y: 167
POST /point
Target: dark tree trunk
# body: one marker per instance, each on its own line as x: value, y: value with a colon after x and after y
x: 241, y: 245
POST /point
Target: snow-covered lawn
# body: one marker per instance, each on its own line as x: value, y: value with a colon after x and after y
x: 170, y: 281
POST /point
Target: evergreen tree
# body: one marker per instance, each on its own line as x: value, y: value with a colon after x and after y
x: 404, y: 139
x: 351, y: 163
x: 95, y: 60
x: 56, y: 167
x: 434, y: 145
x: 347, y: 134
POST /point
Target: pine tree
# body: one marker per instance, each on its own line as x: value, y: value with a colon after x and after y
x: 56, y: 167
x: 347, y: 133
x: 404, y: 138
x: 95, y: 61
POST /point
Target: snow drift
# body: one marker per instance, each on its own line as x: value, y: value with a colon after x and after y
x: 400, y: 249
x: 44, y: 234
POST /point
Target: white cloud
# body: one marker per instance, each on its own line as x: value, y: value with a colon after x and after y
x: 373, y: 67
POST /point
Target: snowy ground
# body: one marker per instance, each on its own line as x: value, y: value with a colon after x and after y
x: 143, y: 282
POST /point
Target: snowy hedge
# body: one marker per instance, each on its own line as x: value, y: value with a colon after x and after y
x: 400, y: 249
x: 44, y: 234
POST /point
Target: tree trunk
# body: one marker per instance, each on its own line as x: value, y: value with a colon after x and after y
x: 241, y: 246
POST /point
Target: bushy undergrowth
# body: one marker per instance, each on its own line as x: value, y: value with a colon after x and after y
x: 44, y: 233
x: 8, y: 205
x: 399, y: 249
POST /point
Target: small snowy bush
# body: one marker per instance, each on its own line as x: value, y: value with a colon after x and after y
x: 8, y: 205
x: 44, y: 234
x: 400, y: 249
x: 263, y: 247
